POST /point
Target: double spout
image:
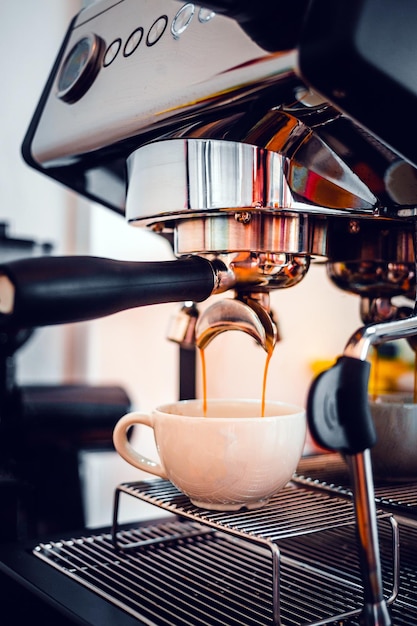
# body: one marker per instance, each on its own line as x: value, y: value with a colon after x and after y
x: 249, y: 314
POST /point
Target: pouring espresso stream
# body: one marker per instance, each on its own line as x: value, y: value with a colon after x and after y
x: 249, y: 316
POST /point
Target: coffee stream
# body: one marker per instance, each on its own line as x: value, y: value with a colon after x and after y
x: 268, y: 359
x: 204, y: 379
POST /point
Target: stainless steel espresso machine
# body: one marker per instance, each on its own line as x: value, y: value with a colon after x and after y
x: 258, y: 139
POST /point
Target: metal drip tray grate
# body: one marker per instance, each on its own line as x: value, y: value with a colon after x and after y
x: 329, y: 473
x: 292, y: 562
x: 211, y: 579
x: 187, y: 579
x: 216, y: 568
x: 326, y: 553
x: 187, y: 574
x: 291, y: 512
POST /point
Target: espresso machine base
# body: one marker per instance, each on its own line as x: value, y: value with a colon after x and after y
x: 202, y: 567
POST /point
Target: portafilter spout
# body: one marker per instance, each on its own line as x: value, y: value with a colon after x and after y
x: 249, y: 314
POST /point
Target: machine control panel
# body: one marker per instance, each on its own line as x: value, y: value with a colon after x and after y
x: 136, y: 64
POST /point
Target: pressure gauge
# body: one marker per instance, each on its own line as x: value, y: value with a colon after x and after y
x: 80, y: 68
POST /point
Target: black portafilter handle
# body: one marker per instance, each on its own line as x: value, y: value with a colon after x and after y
x: 274, y: 25
x: 338, y: 411
x: 59, y: 290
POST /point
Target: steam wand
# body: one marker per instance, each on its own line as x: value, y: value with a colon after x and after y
x: 340, y: 420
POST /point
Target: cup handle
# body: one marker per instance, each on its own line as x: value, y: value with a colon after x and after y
x: 126, y: 450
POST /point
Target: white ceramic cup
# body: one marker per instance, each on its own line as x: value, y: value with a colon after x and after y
x: 394, y: 456
x: 225, y: 460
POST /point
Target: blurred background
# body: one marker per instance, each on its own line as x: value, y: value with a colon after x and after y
x: 130, y: 349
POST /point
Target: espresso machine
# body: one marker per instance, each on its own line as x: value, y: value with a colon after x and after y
x: 258, y: 140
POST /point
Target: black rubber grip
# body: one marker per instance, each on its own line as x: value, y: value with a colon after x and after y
x: 59, y: 290
x: 274, y: 25
x: 338, y: 411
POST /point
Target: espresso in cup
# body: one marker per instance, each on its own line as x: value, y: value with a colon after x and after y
x: 225, y: 456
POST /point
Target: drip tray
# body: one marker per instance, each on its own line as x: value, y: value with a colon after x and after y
x: 186, y: 574
x: 292, y: 562
x: 198, y: 576
x: 217, y: 568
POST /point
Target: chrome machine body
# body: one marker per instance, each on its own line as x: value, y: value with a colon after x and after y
x: 258, y: 163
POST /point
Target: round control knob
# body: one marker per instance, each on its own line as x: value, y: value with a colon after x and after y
x: 80, y: 68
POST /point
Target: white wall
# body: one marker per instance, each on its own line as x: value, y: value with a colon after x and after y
x: 34, y: 207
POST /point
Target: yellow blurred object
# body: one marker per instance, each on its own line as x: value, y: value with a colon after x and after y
x: 320, y: 366
x: 386, y: 370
